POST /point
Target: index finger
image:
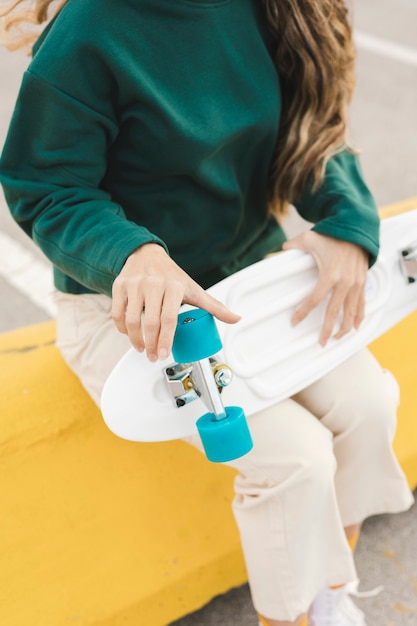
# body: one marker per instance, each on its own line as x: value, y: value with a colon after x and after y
x: 203, y: 300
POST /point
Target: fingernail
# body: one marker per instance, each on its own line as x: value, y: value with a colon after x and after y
x: 152, y: 358
x: 163, y: 354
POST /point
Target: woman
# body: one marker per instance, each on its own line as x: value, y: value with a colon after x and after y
x: 154, y: 147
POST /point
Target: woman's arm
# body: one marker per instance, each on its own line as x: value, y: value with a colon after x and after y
x: 51, y: 169
x: 343, y: 207
x: 52, y: 166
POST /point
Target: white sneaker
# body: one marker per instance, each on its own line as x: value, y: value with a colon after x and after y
x: 335, y: 607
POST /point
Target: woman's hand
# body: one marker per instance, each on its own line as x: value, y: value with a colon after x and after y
x: 342, y: 274
x: 147, y: 295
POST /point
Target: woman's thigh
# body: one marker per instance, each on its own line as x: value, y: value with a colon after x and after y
x: 88, y: 339
x: 358, y: 394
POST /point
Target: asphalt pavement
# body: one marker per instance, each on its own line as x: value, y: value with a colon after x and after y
x: 384, y: 127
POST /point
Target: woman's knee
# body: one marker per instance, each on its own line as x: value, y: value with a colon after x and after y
x: 305, y: 479
x: 373, y: 412
x: 290, y: 450
x: 290, y: 447
x: 359, y: 395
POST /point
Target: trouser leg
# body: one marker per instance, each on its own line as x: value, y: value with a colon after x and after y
x: 321, y: 461
x: 287, y: 512
x: 358, y: 403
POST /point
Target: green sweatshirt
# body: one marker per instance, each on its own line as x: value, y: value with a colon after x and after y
x: 155, y: 121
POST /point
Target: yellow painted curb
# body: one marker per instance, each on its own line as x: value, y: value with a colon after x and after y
x: 396, y: 350
x: 96, y: 531
x: 399, y: 207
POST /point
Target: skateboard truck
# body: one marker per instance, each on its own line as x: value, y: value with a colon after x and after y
x: 196, y: 374
x: 203, y: 379
x: 408, y: 262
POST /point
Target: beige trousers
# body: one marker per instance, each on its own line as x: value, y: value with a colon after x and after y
x: 321, y: 461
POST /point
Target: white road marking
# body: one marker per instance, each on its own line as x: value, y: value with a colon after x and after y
x: 385, y: 48
x: 29, y: 275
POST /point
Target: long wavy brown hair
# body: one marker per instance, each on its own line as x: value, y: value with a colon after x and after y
x: 315, y: 59
x: 314, y: 56
x: 21, y: 21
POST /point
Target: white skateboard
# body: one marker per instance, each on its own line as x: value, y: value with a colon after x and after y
x: 263, y: 357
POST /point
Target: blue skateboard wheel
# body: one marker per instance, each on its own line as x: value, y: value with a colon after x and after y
x: 196, y: 337
x: 225, y: 439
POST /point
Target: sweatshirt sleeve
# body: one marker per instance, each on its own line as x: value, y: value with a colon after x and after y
x: 52, y: 167
x: 343, y: 207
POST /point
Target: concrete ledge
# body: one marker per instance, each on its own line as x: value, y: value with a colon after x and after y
x: 397, y: 351
x: 398, y: 207
x: 97, y: 531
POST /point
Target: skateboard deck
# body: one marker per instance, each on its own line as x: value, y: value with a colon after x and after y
x: 269, y: 359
